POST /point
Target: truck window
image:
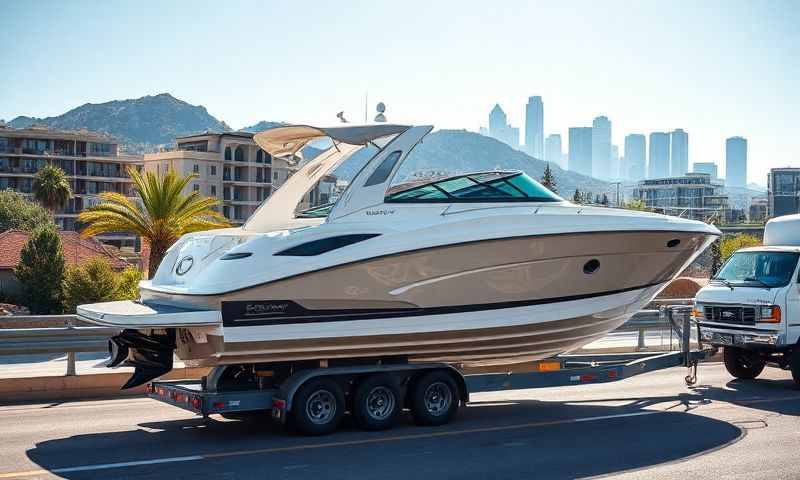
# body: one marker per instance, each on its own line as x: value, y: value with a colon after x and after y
x: 770, y: 269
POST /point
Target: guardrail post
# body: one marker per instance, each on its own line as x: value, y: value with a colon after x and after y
x: 70, y: 364
x: 69, y: 323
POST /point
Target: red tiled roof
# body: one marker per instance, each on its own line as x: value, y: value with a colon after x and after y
x: 76, y: 250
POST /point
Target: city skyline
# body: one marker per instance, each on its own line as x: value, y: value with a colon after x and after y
x: 735, y: 75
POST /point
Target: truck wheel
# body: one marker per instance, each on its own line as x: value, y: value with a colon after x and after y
x: 377, y: 402
x: 434, y: 398
x: 318, y: 407
x: 794, y: 366
x: 742, y: 364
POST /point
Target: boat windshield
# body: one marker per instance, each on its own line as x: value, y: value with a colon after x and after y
x: 496, y: 186
x: 320, y: 211
x: 760, y: 269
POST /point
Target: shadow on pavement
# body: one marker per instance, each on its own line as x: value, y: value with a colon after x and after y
x: 515, y: 438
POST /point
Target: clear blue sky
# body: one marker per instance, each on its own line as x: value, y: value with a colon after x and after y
x: 715, y: 69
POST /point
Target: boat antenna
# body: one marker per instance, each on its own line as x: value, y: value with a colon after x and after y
x: 366, y: 101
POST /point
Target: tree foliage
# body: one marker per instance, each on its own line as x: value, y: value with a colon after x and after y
x: 548, y: 179
x: 51, y: 188
x: 41, y: 270
x: 17, y: 213
x: 165, y: 214
x: 635, y: 204
x: 735, y: 242
x: 577, y: 197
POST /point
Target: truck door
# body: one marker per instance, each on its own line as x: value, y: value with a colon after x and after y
x: 792, y: 309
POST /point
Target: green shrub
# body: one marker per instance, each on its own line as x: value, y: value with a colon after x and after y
x: 92, y: 282
x: 740, y: 240
x: 128, y: 284
x: 95, y: 281
x: 41, y: 271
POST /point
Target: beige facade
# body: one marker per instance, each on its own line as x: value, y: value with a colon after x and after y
x: 228, y: 166
x: 93, y: 164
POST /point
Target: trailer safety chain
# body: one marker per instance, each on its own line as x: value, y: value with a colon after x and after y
x: 691, y: 376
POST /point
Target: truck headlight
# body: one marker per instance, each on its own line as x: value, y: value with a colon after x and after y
x: 697, y: 312
x: 771, y: 314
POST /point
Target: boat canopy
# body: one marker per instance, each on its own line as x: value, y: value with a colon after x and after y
x: 282, y: 141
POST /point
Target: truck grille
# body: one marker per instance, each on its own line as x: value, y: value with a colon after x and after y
x: 737, y: 315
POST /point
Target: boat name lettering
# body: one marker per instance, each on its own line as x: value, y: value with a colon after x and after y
x: 262, y: 308
x: 380, y: 212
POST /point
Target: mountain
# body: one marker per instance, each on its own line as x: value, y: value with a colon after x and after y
x: 140, y: 124
x: 262, y: 125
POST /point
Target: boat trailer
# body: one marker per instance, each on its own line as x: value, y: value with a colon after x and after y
x: 424, y: 387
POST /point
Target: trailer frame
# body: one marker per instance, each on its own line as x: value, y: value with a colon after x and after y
x: 206, y: 397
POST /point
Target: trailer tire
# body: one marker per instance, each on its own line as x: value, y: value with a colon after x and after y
x: 743, y: 364
x: 377, y: 402
x: 794, y: 366
x: 434, y: 398
x: 318, y: 407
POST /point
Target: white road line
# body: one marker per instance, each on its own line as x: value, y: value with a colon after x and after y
x: 191, y: 458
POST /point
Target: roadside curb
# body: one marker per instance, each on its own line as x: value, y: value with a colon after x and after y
x: 100, y: 385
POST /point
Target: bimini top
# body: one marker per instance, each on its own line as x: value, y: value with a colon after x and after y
x: 288, y: 140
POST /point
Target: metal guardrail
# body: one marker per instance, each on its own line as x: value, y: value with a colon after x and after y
x: 72, y: 339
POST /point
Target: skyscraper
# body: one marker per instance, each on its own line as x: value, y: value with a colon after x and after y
x: 580, y: 150
x: 659, y: 155
x: 679, y: 153
x: 499, y: 128
x: 552, y: 149
x: 497, y: 120
x: 534, y: 127
x: 736, y: 162
x: 706, y: 167
x: 635, y: 157
x: 613, y: 160
x: 601, y: 148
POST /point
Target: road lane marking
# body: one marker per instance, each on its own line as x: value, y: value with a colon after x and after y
x: 345, y: 443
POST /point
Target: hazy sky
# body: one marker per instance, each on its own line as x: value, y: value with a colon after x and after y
x: 715, y: 69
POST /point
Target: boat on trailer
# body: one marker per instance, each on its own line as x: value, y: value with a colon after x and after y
x: 472, y: 269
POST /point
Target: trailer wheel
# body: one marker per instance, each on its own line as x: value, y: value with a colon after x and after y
x: 318, y: 407
x: 434, y: 398
x: 376, y: 403
x: 794, y: 366
x: 742, y: 364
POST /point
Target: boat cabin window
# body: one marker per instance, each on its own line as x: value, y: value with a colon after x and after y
x: 497, y: 186
x: 384, y: 169
x: 320, y: 200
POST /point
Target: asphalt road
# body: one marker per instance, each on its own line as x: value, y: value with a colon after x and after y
x: 648, y: 427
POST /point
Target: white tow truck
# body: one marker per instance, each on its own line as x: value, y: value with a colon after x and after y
x: 751, y: 307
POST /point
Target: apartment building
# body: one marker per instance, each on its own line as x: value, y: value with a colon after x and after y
x: 92, y: 162
x: 694, y: 195
x: 229, y: 166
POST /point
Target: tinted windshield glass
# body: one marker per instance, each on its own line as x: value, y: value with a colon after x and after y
x: 478, y: 187
x: 771, y: 269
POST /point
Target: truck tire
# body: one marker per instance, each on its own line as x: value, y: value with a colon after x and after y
x: 376, y: 402
x: 742, y: 364
x: 794, y: 366
x: 434, y: 398
x: 318, y: 407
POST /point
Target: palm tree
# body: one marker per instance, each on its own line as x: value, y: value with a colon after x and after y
x: 164, y: 215
x: 51, y: 188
